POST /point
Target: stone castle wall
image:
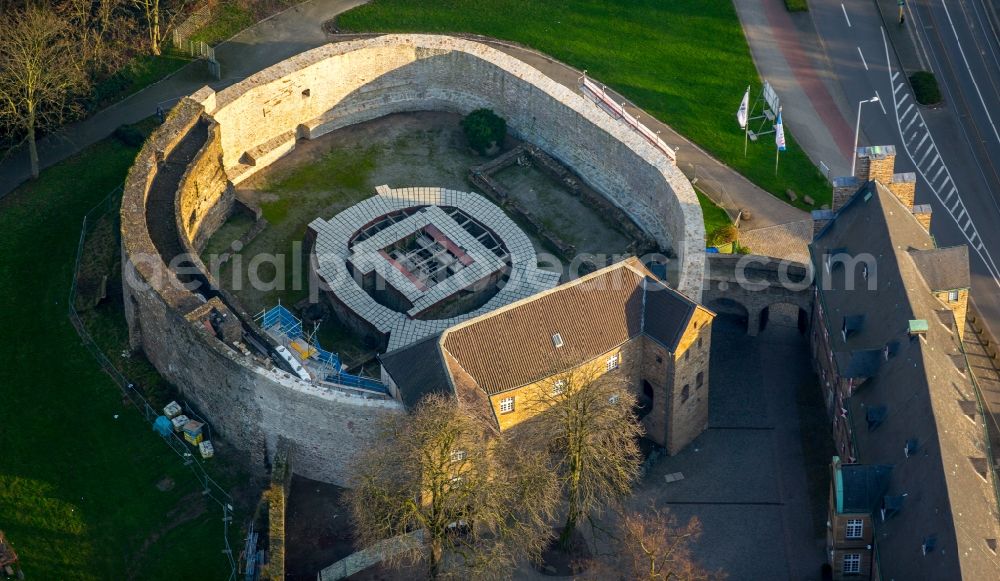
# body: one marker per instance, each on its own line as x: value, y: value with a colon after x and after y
x: 258, y: 120
x: 249, y: 405
x: 345, y: 83
x: 206, y: 200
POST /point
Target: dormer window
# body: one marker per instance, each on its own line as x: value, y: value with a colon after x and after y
x: 953, y: 296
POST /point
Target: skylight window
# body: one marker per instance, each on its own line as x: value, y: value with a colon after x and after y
x: 557, y: 340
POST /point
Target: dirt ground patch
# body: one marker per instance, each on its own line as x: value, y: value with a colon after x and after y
x: 562, y: 213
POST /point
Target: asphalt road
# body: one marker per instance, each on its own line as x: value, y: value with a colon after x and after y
x: 955, y: 148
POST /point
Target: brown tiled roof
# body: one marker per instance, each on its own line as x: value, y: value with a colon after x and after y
x: 514, y: 346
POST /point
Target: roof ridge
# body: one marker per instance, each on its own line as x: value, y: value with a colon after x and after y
x: 625, y: 263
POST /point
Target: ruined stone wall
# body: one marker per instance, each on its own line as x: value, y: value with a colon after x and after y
x: 341, y: 84
x: 251, y: 406
x: 204, y: 199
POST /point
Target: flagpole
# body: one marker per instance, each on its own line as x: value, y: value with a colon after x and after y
x: 779, y: 128
x: 746, y: 129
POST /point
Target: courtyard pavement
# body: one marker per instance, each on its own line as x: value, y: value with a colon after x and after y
x: 745, y: 477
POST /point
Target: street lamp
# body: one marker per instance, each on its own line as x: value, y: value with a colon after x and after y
x: 857, y: 130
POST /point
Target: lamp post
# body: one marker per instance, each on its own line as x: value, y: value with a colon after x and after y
x: 857, y: 130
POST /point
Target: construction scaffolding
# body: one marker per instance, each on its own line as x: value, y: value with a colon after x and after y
x: 322, y: 365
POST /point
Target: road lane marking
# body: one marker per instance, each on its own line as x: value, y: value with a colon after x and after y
x: 943, y: 199
x: 884, y: 112
x: 862, y: 55
x: 897, y: 88
x: 972, y: 77
x: 908, y: 125
x: 921, y: 144
x: 939, y: 172
x: 845, y: 15
x: 894, y: 75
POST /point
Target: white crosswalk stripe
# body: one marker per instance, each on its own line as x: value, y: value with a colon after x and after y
x: 950, y: 197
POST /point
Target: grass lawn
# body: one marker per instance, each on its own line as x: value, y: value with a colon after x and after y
x: 78, y: 485
x: 685, y: 62
x: 228, y: 19
x: 137, y: 74
x: 715, y: 217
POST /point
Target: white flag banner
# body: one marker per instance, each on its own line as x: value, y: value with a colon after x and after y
x: 741, y: 115
x: 779, y: 133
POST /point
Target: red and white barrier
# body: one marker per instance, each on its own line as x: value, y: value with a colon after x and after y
x: 598, y: 94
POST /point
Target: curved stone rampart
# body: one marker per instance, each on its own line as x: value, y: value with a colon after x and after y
x: 252, y: 406
x: 258, y: 120
x: 353, y: 81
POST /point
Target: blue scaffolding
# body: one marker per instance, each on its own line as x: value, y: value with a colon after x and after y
x: 291, y: 326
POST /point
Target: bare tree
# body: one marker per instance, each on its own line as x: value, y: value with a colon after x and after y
x: 654, y: 547
x: 478, y: 506
x: 40, y: 73
x: 585, y: 418
x: 159, y: 16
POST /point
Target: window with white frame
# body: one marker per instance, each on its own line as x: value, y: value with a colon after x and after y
x: 953, y: 296
x: 852, y: 563
x: 559, y: 387
x: 506, y: 405
x: 613, y: 400
x: 855, y: 528
x: 458, y: 455
x: 612, y: 363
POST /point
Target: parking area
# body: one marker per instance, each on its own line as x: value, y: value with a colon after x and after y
x: 755, y: 478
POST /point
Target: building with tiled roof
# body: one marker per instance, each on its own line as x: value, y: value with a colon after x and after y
x: 620, y: 319
x: 910, y: 494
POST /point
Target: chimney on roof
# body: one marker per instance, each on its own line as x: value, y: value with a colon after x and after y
x: 923, y: 215
x: 843, y: 189
x: 820, y: 219
x: 904, y: 186
x: 875, y: 162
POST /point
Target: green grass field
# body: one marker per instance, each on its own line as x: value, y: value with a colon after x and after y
x: 78, y: 485
x: 685, y: 62
x: 714, y: 216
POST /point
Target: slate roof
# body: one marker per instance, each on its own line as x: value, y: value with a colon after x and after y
x: 864, y: 486
x: 513, y: 346
x: 944, y: 268
x: 417, y: 370
x: 919, y: 386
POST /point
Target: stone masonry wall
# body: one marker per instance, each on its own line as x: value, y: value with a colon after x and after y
x: 249, y: 405
x: 353, y: 81
x: 689, y: 417
x: 205, y: 200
